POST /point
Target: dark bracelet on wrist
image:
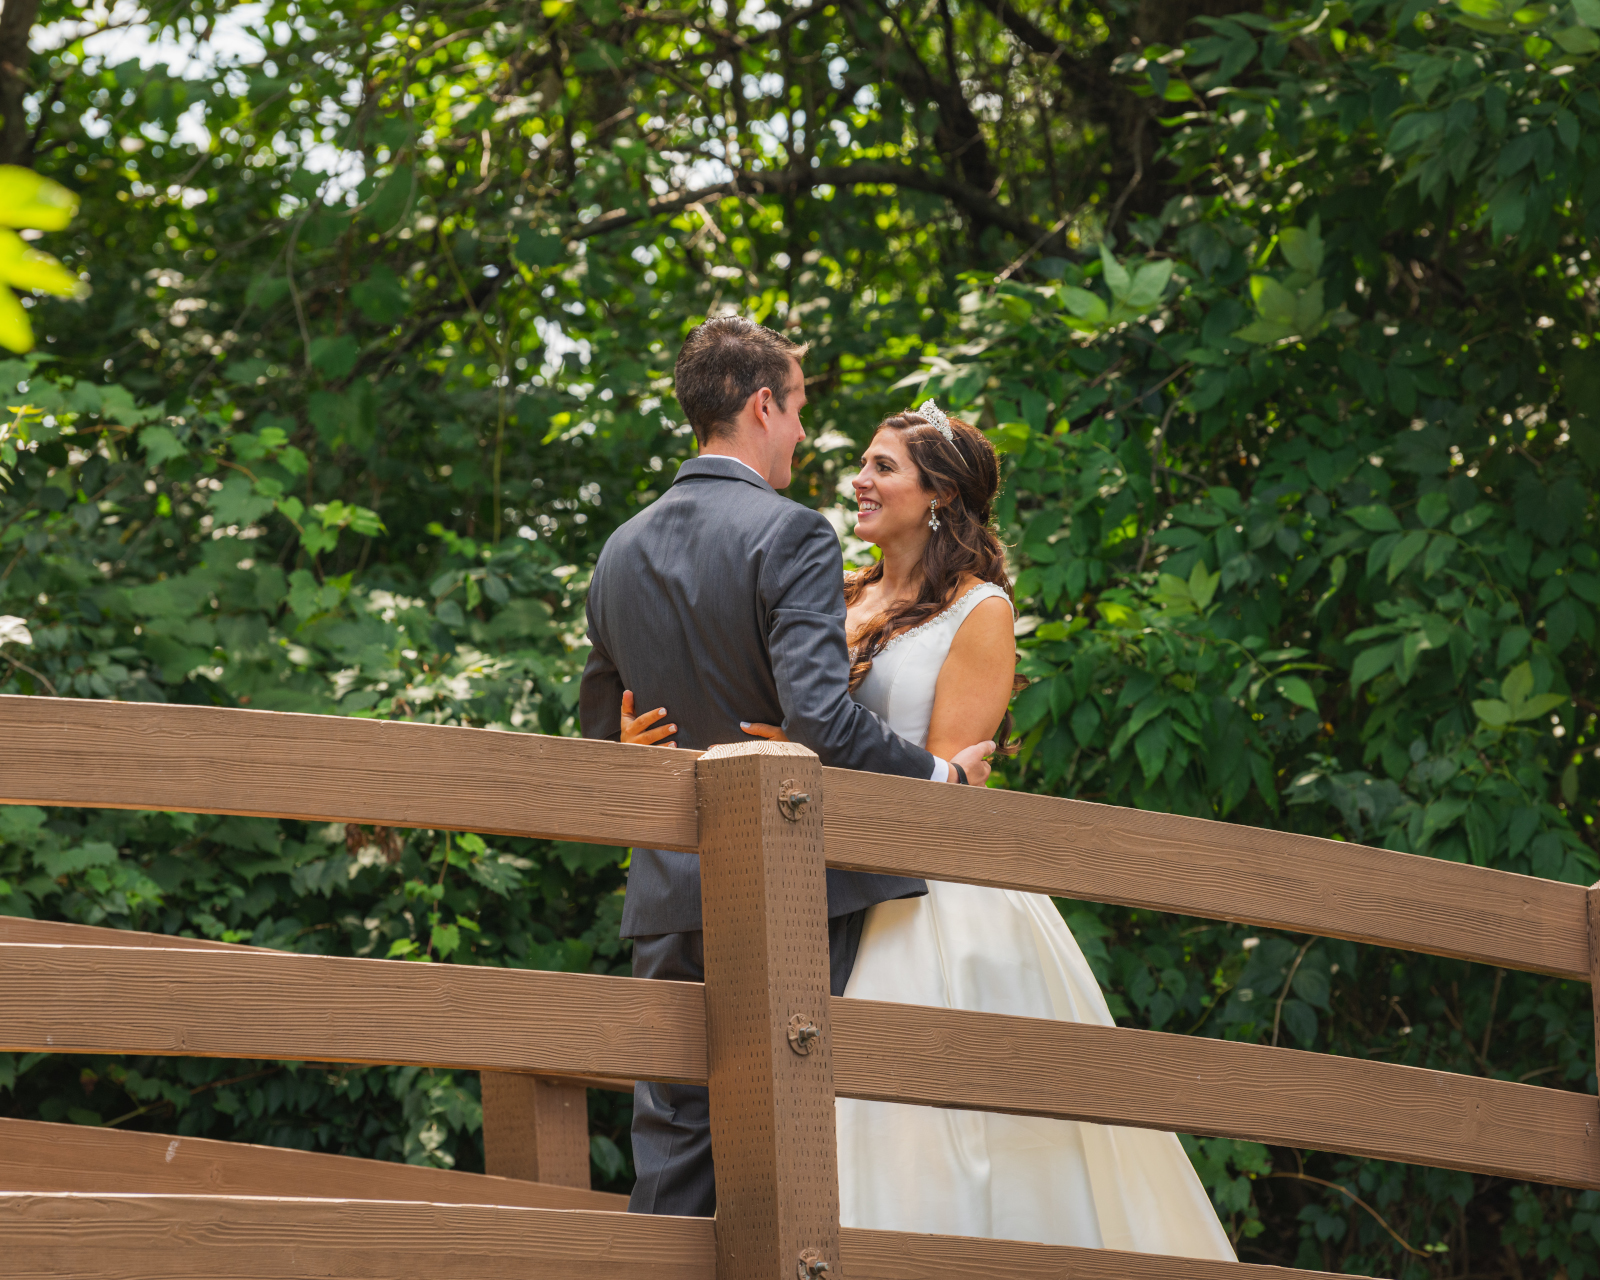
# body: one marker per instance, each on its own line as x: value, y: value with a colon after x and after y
x: 961, y: 774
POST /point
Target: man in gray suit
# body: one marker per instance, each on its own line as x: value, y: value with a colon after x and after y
x: 723, y: 602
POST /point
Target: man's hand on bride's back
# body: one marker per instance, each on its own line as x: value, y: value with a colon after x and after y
x: 637, y: 730
x: 973, y: 760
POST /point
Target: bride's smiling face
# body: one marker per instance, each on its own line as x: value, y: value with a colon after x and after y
x: 893, y: 505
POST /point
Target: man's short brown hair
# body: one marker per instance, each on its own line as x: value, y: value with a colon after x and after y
x: 723, y: 363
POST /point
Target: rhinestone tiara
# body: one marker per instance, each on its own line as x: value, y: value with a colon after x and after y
x: 935, y: 415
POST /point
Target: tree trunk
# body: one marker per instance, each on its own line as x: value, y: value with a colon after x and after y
x: 16, y: 24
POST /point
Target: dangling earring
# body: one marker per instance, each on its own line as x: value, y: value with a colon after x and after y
x: 933, y: 514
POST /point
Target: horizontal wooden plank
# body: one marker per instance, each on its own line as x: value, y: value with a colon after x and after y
x: 132, y: 755
x: 21, y: 929
x: 1168, y: 862
x: 107, y: 1237
x: 333, y: 768
x: 18, y: 929
x: 267, y: 1004
x: 1155, y: 1080
x: 35, y: 1156
x: 898, y: 1255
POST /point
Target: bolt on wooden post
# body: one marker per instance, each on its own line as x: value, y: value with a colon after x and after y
x: 765, y: 910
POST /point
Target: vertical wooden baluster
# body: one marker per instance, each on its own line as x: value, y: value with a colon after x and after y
x: 764, y: 892
x: 535, y: 1129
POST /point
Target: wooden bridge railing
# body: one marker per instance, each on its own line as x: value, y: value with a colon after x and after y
x: 67, y: 1202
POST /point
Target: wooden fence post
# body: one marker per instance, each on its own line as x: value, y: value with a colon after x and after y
x: 764, y: 890
x: 535, y: 1129
x: 1594, y: 970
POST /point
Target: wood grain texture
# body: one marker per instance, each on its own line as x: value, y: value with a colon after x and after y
x: 133, y: 755
x: 335, y: 768
x: 1156, y: 1080
x: 535, y: 1128
x: 1593, y: 904
x: 1167, y: 862
x: 897, y: 1255
x: 35, y: 1156
x: 265, y: 1004
x: 104, y: 1237
x: 17, y: 929
x: 764, y: 896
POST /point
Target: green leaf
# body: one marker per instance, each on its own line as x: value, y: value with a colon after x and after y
x: 1540, y: 705
x: 66, y: 862
x: 1088, y: 307
x: 1432, y: 508
x: 1468, y: 521
x: 29, y: 199
x: 1513, y: 640
x: 237, y: 502
x: 1372, y: 662
x: 380, y: 297
x: 1312, y: 984
x: 1439, y: 552
x: 1152, y: 745
x: 1518, y: 684
x: 1587, y: 12
x: 1276, y: 304
x: 160, y: 445
x: 1149, y: 283
x: 1085, y: 720
x: 1301, y: 1021
x: 1375, y: 518
x: 1302, y: 246
x: 383, y: 210
x: 1203, y: 585
x: 335, y: 356
x: 540, y: 248
x: 1492, y: 712
x: 1578, y: 40
x: 1308, y: 309
x: 1116, y: 275
x: 1405, y: 551
x: 606, y: 1157
x: 1298, y: 692
x: 1508, y: 210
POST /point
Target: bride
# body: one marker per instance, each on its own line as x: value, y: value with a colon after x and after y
x: 930, y: 630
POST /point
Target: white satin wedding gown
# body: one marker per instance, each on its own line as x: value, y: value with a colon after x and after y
x: 970, y: 1173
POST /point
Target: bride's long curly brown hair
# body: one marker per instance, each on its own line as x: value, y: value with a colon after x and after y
x: 965, y: 476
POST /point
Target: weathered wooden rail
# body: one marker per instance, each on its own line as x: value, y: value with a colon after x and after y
x: 125, y: 1206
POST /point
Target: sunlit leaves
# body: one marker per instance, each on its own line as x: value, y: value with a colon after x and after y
x: 1517, y: 701
x: 29, y: 200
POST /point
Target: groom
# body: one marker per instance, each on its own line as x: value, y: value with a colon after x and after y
x: 723, y: 602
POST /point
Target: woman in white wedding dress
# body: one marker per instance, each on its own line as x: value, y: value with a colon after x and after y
x: 930, y: 627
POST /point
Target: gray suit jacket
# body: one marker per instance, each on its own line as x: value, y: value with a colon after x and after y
x: 722, y: 602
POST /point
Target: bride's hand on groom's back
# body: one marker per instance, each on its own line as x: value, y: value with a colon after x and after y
x: 974, y: 760
x: 637, y: 729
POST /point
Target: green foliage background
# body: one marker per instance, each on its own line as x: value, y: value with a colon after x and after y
x: 1299, y: 474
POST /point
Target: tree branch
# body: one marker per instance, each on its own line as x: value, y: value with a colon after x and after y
x: 977, y: 204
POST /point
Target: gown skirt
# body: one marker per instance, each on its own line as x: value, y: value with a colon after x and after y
x: 970, y: 1173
